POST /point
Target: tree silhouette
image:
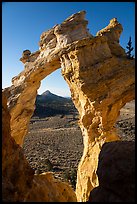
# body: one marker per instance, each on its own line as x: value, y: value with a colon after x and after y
x: 130, y: 49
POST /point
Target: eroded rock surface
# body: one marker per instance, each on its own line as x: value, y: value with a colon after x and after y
x: 101, y: 80
x: 99, y: 89
x: 17, y: 175
x: 116, y: 173
x: 19, y: 184
x: 48, y: 189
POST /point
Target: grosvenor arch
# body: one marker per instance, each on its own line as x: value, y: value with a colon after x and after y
x: 101, y: 80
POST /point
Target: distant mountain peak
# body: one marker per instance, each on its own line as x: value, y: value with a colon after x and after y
x: 46, y: 93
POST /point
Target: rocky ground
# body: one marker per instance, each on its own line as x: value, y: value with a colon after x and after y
x: 55, y: 143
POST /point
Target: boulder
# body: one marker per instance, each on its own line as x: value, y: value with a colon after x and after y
x: 116, y: 173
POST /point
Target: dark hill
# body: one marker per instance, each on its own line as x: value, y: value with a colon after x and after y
x: 47, y: 96
x: 48, y: 104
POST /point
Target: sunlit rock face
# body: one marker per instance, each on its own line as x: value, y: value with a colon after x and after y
x: 17, y: 175
x: 100, y: 85
x: 113, y: 32
x: 100, y: 77
x: 48, y: 189
x: 19, y: 184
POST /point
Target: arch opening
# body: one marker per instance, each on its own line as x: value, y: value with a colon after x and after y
x: 125, y: 123
x: 54, y: 141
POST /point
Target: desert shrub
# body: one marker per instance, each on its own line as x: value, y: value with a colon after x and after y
x: 48, y: 164
x: 66, y: 175
x: 71, y: 176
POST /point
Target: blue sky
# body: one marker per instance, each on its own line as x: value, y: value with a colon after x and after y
x: 24, y: 22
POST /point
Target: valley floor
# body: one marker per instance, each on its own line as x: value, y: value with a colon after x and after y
x: 55, y: 143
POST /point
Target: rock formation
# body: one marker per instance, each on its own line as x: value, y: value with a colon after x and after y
x: 100, y: 77
x: 17, y: 175
x: 116, y: 173
x: 48, y: 189
x: 19, y: 184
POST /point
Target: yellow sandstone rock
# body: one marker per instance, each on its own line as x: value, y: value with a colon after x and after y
x: 48, y: 189
x: 19, y: 184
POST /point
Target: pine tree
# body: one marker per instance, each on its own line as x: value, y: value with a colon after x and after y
x: 130, y: 49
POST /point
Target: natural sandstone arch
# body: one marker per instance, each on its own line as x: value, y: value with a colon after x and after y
x: 101, y: 81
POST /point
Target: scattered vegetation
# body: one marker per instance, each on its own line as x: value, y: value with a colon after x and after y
x: 49, y: 164
x: 71, y: 176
